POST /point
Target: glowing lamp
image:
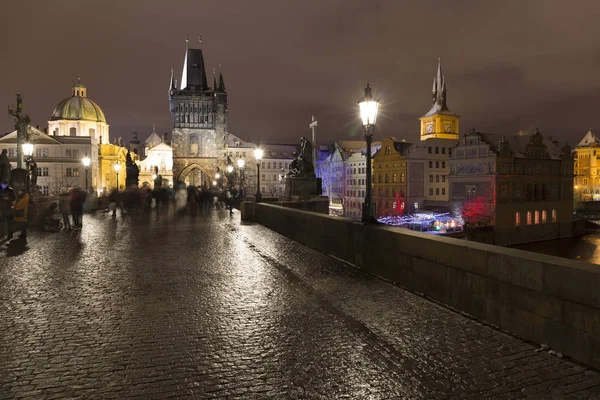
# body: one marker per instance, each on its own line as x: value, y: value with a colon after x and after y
x: 230, y: 168
x: 27, y: 149
x: 218, y: 175
x: 117, y: 167
x: 214, y: 183
x: 240, y: 163
x: 86, y: 162
x: 258, y: 154
x: 368, y: 108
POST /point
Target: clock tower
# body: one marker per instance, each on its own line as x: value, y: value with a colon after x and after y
x: 439, y: 122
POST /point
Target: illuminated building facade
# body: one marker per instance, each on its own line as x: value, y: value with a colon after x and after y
x: 587, y: 168
x: 521, y: 185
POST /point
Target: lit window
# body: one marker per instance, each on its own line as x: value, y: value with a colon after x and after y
x: 536, y: 219
x: 528, y: 217
x: 544, y: 216
x: 553, y: 215
x: 517, y: 219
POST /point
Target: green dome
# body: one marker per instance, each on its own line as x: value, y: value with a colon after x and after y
x: 78, y: 107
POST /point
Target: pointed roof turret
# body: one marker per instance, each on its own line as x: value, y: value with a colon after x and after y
x: 589, y: 139
x: 439, y: 93
x: 193, y: 76
x: 214, y: 80
x: 221, y: 83
x: 172, y: 84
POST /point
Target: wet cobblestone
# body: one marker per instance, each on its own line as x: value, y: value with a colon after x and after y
x: 210, y: 308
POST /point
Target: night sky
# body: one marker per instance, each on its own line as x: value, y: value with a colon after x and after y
x: 509, y: 65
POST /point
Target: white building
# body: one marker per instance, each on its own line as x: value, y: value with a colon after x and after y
x: 58, y: 159
x: 157, y: 154
x: 275, y: 165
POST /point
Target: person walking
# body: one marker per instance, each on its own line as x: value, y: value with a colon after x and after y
x: 77, y: 199
x: 64, y: 205
x: 20, y: 211
x: 7, y: 197
x: 229, y: 199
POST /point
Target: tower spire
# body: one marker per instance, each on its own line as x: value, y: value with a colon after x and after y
x: 221, y: 80
x: 214, y: 80
x: 172, y: 84
x: 185, y: 62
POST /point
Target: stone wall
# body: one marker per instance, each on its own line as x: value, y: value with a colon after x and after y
x: 541, y: 298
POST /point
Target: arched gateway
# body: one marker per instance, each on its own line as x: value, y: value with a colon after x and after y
x: 196, y: 174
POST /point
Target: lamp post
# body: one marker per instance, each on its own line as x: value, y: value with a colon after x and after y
x: 28, y: 152
x: 241, y: 164
x: 86, y: 164
x: 229, y: 175
x: 258, y: 154
x: 369, y: 107
x: 117, y: 168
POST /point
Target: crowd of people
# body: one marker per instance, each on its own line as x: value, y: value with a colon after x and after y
x: 74, y: 201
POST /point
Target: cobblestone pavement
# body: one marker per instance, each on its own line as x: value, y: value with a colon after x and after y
x: 207, y: 307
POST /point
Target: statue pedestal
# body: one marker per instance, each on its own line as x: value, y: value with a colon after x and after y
x: 302, y: 186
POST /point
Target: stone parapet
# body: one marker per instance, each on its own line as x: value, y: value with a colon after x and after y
x: 541, y: 298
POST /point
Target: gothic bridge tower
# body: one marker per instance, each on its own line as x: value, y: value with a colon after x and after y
x: 199, y: 115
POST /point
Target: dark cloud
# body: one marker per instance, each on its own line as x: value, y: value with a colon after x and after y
x: 509, y: 65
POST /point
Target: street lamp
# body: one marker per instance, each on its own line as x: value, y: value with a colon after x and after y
x: 117, y: 168
x: 230, y: 168
x: 369, y: 107
x: 28, y: 152
x: 86, y: 164
x: 258, y: 154
x: 217, y: 175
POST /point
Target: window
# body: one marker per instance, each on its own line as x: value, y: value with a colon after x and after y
x: 430, y: 178
x: 379, y: 179
x: 437, y: 178
x: 387, y: 192
x: 429, y: 149
x: 536, y: 219
x: 11, y: 153
x: 263, y: 177
x: 471, y: 189
x: 544, y: 216
x: 528, y: 217
x: 517, y: 219
x: 269, y: 165
x: 402, y: 177
x: 394, y: 178
x: 443, y: 150
x: 387, y: 178
x: 92, y: 132
x: 431, y: 191
x: 416, y: 206
x: 443, y: 178
x: 274, y: 177
x: 45, y: 190
x: 41, y: 153
x: 449, y: 151
x: 43, y: 171
x: 72, y: 172
x: 72, y: 131
x: 263, y: 165
x: 443, y: 164
x: 430, y: 164
x: 443, y: 191
x: 69, y: 153
x: 437, y: 164
x: 553, y: 215
x: 437, y: 150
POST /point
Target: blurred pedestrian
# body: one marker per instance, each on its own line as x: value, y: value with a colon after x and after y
x: 77, y: 199
x: 20, y: 212
x: 7, y: 197
x: 64, y: 205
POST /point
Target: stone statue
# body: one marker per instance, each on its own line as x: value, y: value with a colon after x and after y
x: 308, y: 168
x: 295, y: 166
x: 5, y: 166
x: 132, y: 171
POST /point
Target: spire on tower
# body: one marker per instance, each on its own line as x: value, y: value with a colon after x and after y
x: 214, y: 80
x: 194, y: 74
x: 172, y: 84
x: 439, y: 92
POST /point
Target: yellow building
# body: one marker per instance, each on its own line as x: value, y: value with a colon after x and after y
x: 390, y: 176
x: 587, y: 168
x: 109, y: 156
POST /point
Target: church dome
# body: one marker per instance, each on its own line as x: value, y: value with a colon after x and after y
x: 78, y: 107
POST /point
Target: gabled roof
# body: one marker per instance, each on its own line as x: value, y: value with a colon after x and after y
x: 37, y: 137
x: 161, y: 147
x: 234, y: 141
x: 153, y: 138
x: 518, y: 144
x: 589, y: 139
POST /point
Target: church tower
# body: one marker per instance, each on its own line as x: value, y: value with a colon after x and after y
x: 199, y: 115
x: 439, y: 122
